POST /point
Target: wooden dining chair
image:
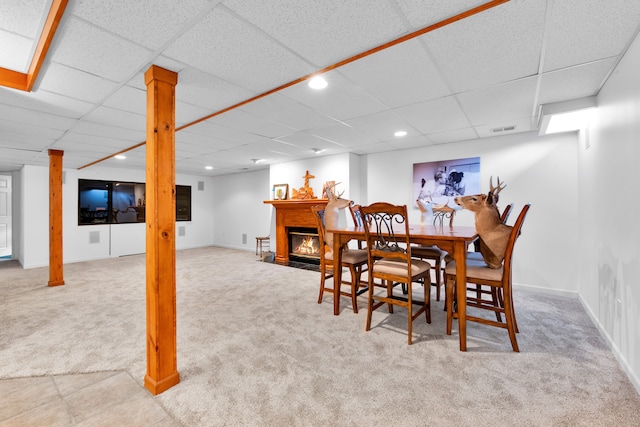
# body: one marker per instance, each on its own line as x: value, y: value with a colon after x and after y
x: 498, y: 279
x: 353, y: 259
x: 390, y: 261
x: 356, y: 216
x: 435, y: 254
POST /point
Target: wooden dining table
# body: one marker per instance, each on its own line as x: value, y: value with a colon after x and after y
x: 453, y: 239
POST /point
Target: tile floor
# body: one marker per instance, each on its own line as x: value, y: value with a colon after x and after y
x: 96, y: 399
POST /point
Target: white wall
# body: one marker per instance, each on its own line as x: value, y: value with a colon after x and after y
x: 609, y: 206
x: 114, y: 239
x: 539, y: 170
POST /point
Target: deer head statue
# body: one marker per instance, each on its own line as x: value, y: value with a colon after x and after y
x: 494, y: 235
x: 332, y: 212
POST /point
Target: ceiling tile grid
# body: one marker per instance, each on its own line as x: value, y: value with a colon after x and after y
x: 237, y: 52
x: 458, y: 82
x: 420, y: 13
x: 503, y: 102
x: 574, y: 82
x: 404, y: 75
x: 435, y: 115
x: 147, y: 24
x: 340, y: 100
x: 74, y: 83
x: 324, y: 32
x: 581, y: 31
x: 85, y: 47
x: 506, y: 40
x: 207, y: 91
x: 288, y: 112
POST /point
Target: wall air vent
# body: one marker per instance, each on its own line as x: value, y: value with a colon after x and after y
x: 503, y: 129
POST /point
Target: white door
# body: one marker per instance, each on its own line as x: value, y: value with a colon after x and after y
x: 5, y: 215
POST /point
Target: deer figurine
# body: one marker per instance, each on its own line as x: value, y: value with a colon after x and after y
x: 332, y: 213
x: 494, y: 234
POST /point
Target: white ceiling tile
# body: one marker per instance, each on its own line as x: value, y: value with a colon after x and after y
x: 495, y: 46
x: 409, y: 142
x: 35, y: 130
x: 574, y: 82
x: 339, y: 100
x: 10, y: 138
x: 284, y: 110
x: 150, y: 25
x: 74, y: 83
x: 116, y: 144
x: 22, y: 17
x: 204, y: 90
x: 420, y: 13
x: 324, y: 32
x: 118, y: 118
x: 381, y: 126
x: 306, y: 141
x: 45, y: 101
x: 237, y: 52
x: 187, y: 113
x: 578, y: 31
x: 453, y: 136
x: 85, y: 47
x: 212, y: 128
x: 379, y: 147
x: 398, y: 76
x: 343, y: 134
x: 130, y: 99
x: 16, y: 52
x: 436, y: 115
x: 204, y: 142
x: 502, y: 102
x: 35, y: 118
x: 96, y: 129
x: 243, y: 121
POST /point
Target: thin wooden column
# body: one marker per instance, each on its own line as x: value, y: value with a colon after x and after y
x: 56, y: 275
x: 162, y: 372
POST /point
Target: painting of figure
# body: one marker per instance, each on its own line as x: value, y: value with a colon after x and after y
x: 440, y: 181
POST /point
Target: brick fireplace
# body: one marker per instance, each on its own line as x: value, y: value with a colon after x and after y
x: 292, y: 215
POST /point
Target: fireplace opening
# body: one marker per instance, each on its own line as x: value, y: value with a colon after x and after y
x: 304, y: 245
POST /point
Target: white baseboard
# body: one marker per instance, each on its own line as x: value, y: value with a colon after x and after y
x: 614, y: 348
x: 557, y: 292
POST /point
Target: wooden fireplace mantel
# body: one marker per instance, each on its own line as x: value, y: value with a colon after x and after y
x: 292, y: 213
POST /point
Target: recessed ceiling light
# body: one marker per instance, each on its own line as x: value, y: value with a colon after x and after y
x: 318, y: 82
x: 400, y: 133
x: 120, y: 157
x: 256, y: 161
x: 317, y: 150
x: 208, y: 168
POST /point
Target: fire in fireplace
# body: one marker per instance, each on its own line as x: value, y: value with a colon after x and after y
x: 304, y: 243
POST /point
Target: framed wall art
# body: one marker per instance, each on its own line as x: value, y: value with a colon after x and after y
x: 281, y: 192
x: 441, y: 181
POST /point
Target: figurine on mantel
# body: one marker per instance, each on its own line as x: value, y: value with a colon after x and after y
x: 305, y: 192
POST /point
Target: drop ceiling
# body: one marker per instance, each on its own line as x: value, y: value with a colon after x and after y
x: 461, y: 81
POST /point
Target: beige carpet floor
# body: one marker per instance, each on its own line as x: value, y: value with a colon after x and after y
x: 255, y: 349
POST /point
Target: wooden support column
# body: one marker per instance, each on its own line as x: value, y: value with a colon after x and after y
x: 56, y: 276
x: 162, y: 369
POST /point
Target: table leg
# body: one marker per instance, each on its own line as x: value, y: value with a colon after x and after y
x: 460, y: 255
x: 337, y: 273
